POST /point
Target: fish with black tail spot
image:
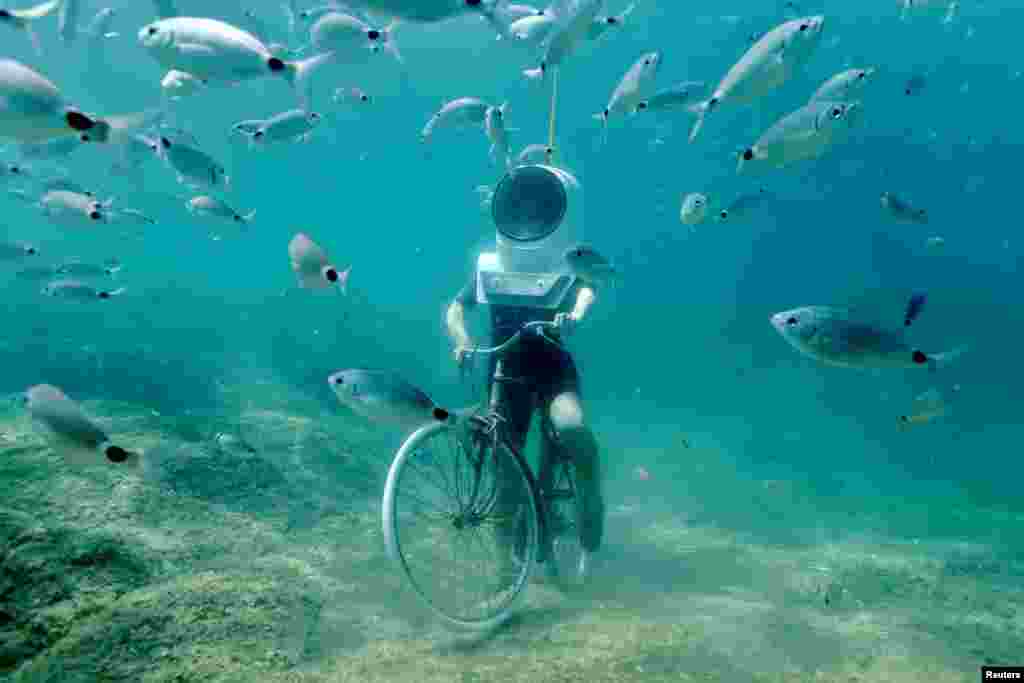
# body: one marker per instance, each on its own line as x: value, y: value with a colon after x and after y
x: 902, y: 209
x: 76, y: 290
x: 22, y: 19
x: 769, y: 63
x: 32, y: 110
x: 631, y: 88
x: 835, y: 336
x: 312, y: 266
x: 382, y: 396
x: 72, y: 428
x: 214, y: 50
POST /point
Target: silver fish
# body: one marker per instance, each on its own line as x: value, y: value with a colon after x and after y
x: 80, y: 269
x: 213, y: 50
x: 17, y: 251
x: 193, y: 166
x: 769, y: 63
x: 66, y: 420
x: 834, y: 337
x: 385, y: 397
x: 494, y: 124
x: 601, y: 25
x: 679, y: 95
x: 631, y: 88
x: 589, y: 265
x: 566, y: 36
x: 458, y: 112
x: 743, y: 206
x: 806, y: 133
x: 694, y: 209
x: 211, y: 207
x: 290, y: 126
x: 71, y: 206
x: 844, y: 86
x: 901, y: 209
x: 33, y: 110
x: 78, y: 291
x: 67, y: 20
x: 312, y: 266
x: 22, y: 19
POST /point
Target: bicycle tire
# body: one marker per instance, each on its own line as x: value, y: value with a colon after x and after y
x: 568, y: 563
x: 435, y: 575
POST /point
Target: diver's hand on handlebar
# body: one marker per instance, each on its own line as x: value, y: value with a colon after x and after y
x: 565, y: 323
x: 462, y: 354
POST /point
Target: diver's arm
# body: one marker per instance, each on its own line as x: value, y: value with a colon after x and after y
x: 584, y: 299
x: 567, y: 322
x: 456, y: 321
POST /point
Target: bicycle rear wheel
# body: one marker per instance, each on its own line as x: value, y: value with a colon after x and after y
x: 568, y: 562
x: 460, y: 519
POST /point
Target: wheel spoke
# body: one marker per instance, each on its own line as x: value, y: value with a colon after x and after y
x: 453, y: 534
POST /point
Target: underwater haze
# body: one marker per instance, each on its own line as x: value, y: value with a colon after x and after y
x: 770, y: 516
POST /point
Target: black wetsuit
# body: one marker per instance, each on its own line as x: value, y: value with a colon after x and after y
x: 543, y: 370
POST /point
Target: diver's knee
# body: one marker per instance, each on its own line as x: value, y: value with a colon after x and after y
x: 566, y: 415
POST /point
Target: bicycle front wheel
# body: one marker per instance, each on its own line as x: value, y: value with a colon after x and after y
x: 460, y: 519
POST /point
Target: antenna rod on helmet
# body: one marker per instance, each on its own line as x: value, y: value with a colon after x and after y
x: 550, y: 153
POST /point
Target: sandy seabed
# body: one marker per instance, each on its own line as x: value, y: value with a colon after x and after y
x: 206, y: 565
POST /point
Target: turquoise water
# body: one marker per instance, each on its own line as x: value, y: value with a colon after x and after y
x: 784, y: 453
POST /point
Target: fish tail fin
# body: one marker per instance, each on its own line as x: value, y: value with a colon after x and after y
x: 701, y: 110
x: 602, y: 116
x: 343, y: 280
x: 390, y: 46
x: 33, y: 38
x: 297, y: 73
x: 534, y: 74
x: 113, y: 129
x: 626, y: 12
x: 114, y: 292
x: 951, y: 12
x: 247, y: 218
x: 937, y: 361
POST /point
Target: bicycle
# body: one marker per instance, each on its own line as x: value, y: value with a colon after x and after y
x: 484, y: 489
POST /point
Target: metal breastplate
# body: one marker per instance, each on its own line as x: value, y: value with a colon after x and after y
x: 529, y: 290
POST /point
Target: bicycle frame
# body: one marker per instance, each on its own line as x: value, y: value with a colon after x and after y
x: 497, y: 420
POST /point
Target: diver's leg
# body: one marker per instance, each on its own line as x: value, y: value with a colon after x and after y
x: 517, y: 411
x: 565, y: 414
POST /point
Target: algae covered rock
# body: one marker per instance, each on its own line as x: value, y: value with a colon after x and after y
x: 51, y: 576
x: 199, y: 627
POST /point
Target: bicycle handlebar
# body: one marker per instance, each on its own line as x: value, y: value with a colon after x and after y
x: 538, y: 325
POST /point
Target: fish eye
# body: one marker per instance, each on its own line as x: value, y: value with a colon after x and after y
x: 15, y: 169
x: 861, y: 75
x: 364, y: 98
x: 723, y: 214
x: 31, y: 251
x: 836, y: 112
x: 791, y: 321
x: 152, y: 30
x: 373, y: 34
x: 339, y: 380
x: 331, y: 275
x: 803, y: 27
x: 647, y: 62
x: 95, y: 215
